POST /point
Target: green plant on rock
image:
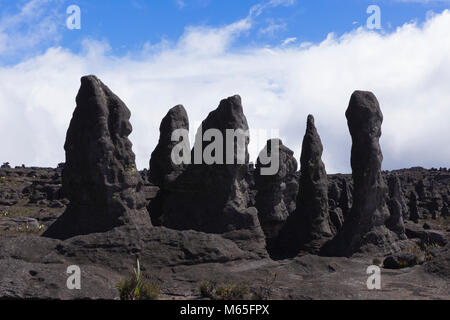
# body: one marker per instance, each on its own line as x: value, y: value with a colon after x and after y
x: 137, y: 287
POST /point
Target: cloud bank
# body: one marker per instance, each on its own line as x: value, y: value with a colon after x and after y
x: 408, y: 70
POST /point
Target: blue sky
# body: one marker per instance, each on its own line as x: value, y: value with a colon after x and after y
x: 127, y: 25
x: 286, y: 58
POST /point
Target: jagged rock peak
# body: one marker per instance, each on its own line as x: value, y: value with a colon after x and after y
x: 161, y: 164
x: 229, y: 115
x: 312, y: 201
x: 214, y: 197
x: 99, y: 177
x: 307, y: 229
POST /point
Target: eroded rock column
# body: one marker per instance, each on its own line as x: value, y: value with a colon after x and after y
x: 99, y: 177
x: 366, y: 222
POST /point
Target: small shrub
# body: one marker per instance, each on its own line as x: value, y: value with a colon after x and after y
x: 377, y: 262
x: 206, y: 289
x: 137, y: 287
x: 231, y: 291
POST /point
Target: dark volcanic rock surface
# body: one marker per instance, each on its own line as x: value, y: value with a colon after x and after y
x: 397, y: 206
x: 34, y: 267
x: 308, y: 228
x: 312, y: 201
x: 162, y: 167
x: 273, y: 200
x: 366, y: 222
x: 163, y: 170
x: 99, y: 177
x: 213, y: 198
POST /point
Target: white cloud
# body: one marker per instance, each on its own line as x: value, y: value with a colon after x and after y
x: 408, y: 70
x: 36, y: 22
x: 272, y: 28
x: 289, y: 40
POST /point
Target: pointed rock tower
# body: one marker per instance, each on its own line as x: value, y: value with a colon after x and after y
x: 308, y: 228
x: 213, y: 197
x: 99, y: 177
x: 312, y: 201
x: 365, y: 229
x: 162, y: 167
x: 163, y: 171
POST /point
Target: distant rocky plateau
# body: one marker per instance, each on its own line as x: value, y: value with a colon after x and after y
x: 298, y: 234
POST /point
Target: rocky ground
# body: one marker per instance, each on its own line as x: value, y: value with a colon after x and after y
x: 35, y: 267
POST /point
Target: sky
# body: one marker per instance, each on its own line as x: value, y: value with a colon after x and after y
x: 286, y: 58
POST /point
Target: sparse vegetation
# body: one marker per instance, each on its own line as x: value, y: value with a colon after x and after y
x: 424, y: 253
x: 377, y: 261
x: 206, y: 289
x: 231, y: 291
x: 241, y: 291
x: 137, y: 287
x: 265, y: 290
x: 418, y: 252
x: 224, y: 291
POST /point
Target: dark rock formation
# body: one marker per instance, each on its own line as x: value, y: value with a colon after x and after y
x: 5, y: 166
x: 271, y: 201
x: 312, y: 201
x: 99, y: 177
x: 163, y: 170
x: 107, y: 199
x: 161, y: 164
x: 436, y: 204
x: 308, y: 228
x: 214, y: 198
x: 397, y: 206
x: 339, y: 200
x: 336, y: 220
x: 400, y: 260
x: 366, y: 223
x: 445, y: 211
x: 413, y: 209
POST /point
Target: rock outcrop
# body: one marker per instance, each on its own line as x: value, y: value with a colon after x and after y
x: 365, y: 226
x: 213, y: 196
x: 308, y: 228
x: 413, y: 208
x: 397, y: 206
x: 312, y: 201
x: 99, y: 177
x: 163, y: 170
x: 272, y: 200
